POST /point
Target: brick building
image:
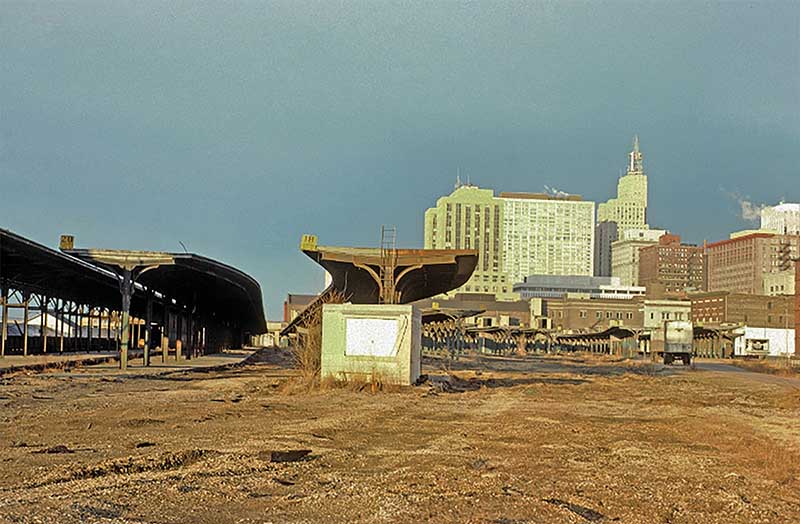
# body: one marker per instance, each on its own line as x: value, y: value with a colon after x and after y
x: 722, y: 307
x: 581, y: 314
x: 295, y: 304
x: 625, y: 253
x: 739, y: 264
x: 671, y: 266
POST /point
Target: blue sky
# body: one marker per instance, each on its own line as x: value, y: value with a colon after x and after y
x: 236, y: 127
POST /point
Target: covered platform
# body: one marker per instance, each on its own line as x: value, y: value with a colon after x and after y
x: 452, y: 332
x: 715, y: 341
x: 509, y: 339
x: 378, y: 275
x: 615, y: 340
x: 416, y: 273
x: 75, y: 299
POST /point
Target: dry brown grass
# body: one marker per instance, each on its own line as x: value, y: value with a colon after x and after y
x: 774, y: 459
x: 307, y: 352
x: 782, y: 366
x: 789, y: 399
x: 374, y: 383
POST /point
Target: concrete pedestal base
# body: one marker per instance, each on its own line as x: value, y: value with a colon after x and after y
x: 371, y: 342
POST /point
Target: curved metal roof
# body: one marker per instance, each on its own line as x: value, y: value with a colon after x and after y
x: 44, y: 270
x: 420, y: 273
x: 212, y: 287
x: 216, y: 289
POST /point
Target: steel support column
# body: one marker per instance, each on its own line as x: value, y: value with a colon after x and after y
x: 165, y: 332
x: 43, y: 323
x: 4, y: 334
x: 25, y: 319
x: 127, y: 291
x: 147, y: 323
x: 60, y: 326
x: 90, y: 326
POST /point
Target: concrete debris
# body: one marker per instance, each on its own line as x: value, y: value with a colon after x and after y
x: 60, y: 448
x: 479, y: 464
x: 294, y: 455
x: 283, y: 482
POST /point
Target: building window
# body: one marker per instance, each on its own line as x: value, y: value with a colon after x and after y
x: 583, y: 314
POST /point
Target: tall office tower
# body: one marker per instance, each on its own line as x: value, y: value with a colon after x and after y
x: 471, y: 218
x: 546, y: 235
x: 629, y: 209
x: 783, y: 219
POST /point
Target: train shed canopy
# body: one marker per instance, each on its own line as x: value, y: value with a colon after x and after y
x: 419, y: 274
x: 37, y: 268
x: 213, y: 288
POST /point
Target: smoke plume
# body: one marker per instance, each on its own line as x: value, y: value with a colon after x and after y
x: 748, y: 210
x: 556, y: 192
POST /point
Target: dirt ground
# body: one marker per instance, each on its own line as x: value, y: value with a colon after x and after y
x: 546, y: 439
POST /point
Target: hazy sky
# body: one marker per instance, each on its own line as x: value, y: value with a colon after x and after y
x: 237, y: 128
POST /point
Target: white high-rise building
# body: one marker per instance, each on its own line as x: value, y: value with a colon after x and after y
x: 783, y: 219
x: 546, y: 235
x: 471, y: 218
x: 516, y: 234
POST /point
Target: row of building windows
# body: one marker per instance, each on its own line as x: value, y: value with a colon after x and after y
x: 599, y: 314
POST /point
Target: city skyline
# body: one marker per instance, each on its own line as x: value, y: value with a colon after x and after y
x: 235, y: 133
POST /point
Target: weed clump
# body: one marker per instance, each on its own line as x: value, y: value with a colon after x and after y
x: 307, y: 351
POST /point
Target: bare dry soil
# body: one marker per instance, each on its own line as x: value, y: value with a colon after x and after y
x: 546, y: 439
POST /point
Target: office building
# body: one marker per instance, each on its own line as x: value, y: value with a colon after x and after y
x: 723, y: 307
x: 573, y: 314
x: 546, y: 235
x: 629, y: 209
x: 554, y: 286
x: 783, y: 218
x: 471, y: 218
x: 779, y: 283
x: 738, y: 265
x: 605, y: 234
x: 516, y: 235
x: 670, y: 267
x: 625, y: 253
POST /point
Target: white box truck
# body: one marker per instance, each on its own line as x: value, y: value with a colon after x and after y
x: 678, y: 338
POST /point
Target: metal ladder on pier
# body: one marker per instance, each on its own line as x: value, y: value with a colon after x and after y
x: 388, y: 265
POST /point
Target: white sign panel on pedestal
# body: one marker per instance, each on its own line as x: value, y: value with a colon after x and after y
x: 371, y: 337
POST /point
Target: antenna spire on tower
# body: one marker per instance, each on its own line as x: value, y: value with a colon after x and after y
x: 635, y: 162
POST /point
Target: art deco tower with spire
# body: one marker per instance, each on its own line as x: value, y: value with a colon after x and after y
x: 629, y: 209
